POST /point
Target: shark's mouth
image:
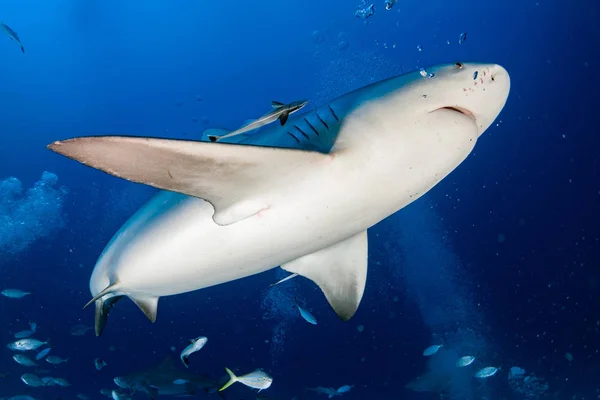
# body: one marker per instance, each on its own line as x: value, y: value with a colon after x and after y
x: 459, y: 110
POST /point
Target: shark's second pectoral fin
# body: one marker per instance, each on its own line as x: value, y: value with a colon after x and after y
x: 238, y: 180
x: 339, y: 270
x: 148, y: 305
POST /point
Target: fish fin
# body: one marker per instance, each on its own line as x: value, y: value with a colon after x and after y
x: 339, y: 270
x: 232, y: 379
x: 283, y: 118
x: 102, y: 309
x: 109, y: 289
x: 213, y: 134
x: 238, y: 180
x: 283, y: 280
x: 276, y: 104
x: 22, y: 49
x: 148, y: 305
x: 184, y: 360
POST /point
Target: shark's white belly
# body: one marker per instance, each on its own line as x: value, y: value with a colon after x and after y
x: 172, y: 245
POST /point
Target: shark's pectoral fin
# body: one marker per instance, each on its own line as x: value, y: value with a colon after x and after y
x: 283, y: 118
x: 339, y: 270
x: 102, y: 309
x: 148, y: 305
x: 239, y: 181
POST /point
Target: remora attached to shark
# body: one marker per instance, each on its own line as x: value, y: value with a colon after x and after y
x: 280, y: 112
x: 300, y: 196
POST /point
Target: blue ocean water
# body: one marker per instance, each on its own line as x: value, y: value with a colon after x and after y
x: 498, y: 261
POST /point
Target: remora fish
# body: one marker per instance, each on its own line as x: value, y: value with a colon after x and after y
x: 194, y: 346
x: 12, y: 35
x: 159, y: 380
x: 280, y: 111
x: 310, y: 191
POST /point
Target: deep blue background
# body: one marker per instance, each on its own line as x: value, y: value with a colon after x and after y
x: 113, y: 67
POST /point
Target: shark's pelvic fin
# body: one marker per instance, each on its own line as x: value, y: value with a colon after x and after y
x: 237, y: 180
x: 283, y: 118
x: 148, y: 305
x: 339, y: 270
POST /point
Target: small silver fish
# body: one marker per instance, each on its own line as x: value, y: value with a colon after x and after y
x: 257, y: 379
x: 345, y: 388
x: 280, y: 111
x: 194, y: 346
x: 12, y: 35
x: 56, y: 360
x: 180, y: 381
x: 119, y: 396
x: 42, y: 354
x: 465, y: 361
x: 32, y: 380
x: 13, y: 293
x: 24, y: 360
x: 99, y: 363
x: 23, y: 334
x: 486, y: 372
x: 308, y: 317
x: 26, y: 344
x: 431, y: 350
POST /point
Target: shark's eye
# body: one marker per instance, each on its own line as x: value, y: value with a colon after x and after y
x: 459, y: 65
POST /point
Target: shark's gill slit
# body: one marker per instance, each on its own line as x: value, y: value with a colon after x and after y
x: 333, y: 113
x: 302, y: 132
x: 311, y: 127
x: 292, y: 135
x: 323, y: 122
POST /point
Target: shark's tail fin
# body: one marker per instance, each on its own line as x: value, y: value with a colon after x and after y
x: 232, y: 380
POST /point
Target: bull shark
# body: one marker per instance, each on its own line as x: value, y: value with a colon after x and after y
x: 12, y: 35
x: 280, y: 112
x: 300, y: 197
x: 160, y: 380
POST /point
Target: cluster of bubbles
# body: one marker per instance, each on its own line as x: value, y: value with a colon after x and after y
x: 277, y: 305
x: 28, y: 215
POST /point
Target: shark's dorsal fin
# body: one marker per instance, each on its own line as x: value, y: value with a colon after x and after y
x: 339, y: 270
x: 238, y: 180
x: 276, y: 104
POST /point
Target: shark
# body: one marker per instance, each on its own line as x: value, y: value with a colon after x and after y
x: 12, y: 35
x: 280, y: 112
x: 166, y: 379
x: 300, y: 196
